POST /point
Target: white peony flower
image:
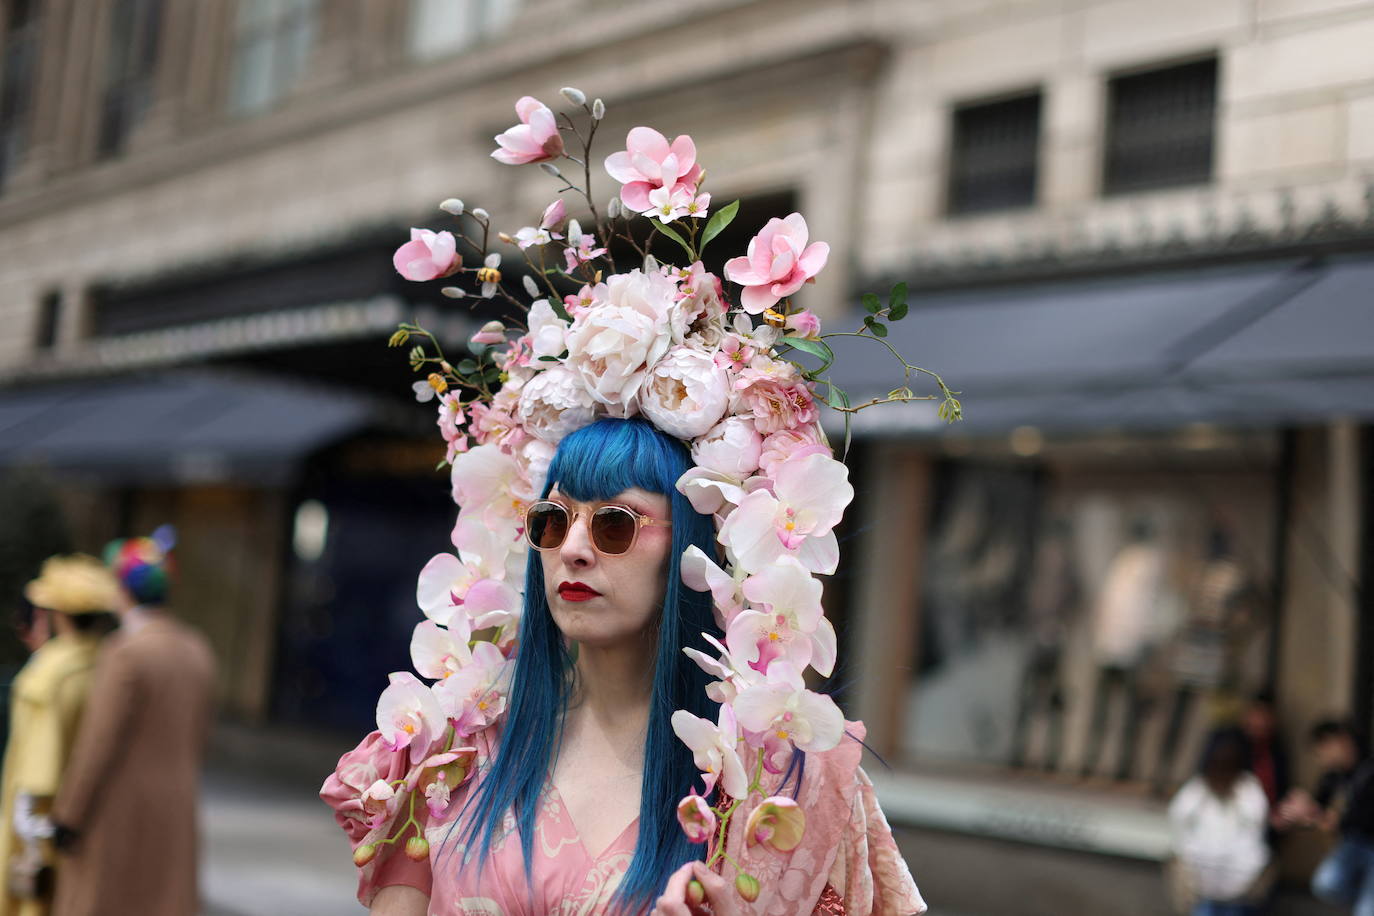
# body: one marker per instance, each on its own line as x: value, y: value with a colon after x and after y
x: 612, y: 344
x: 731, y: 447
x: 685, y: 393
x: 554, y: 403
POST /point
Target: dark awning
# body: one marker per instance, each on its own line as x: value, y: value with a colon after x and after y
x: 175, y: 426
x: 1258, y: 345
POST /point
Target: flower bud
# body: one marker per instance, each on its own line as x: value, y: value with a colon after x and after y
x: 399, y: 338
x: 551, y: 169
x: 453, y: 292
x: 695, y: 892
x: 530, y: 286
x: 480, y: 215
x: 598, y: 110
x: 417, y: 850
x: 574, y: 232
x: 506, y: 237
x: 748, y: 886
x: 574, y: 96
x: 614, y: 208
x: 364, y: 854
x: 452, y: 205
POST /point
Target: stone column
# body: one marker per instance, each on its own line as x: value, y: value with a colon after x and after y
x: 162, y: 120
x: 211, y: 44
x: 45, y: 105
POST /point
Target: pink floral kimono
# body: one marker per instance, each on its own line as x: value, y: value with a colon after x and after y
x: 847, y: 863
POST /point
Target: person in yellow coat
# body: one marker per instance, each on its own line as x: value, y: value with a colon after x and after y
x: 46, y: 701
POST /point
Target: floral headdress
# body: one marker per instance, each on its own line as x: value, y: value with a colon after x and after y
x: 741, y: 382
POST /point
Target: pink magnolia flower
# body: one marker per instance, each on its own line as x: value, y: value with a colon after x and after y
x: 776, y: 396
x: 408, y: 715
x: 428, y: 255
x: 795, y: 519
x: 781, y: 711
x: 650, y: 162
x: 803, y: 324
x: 534, y: 139
x: 492, y: 333
x: 778, y: 822
x: 475, y: 696
x: 544, y: 233
x: 696, y: 818
x: 777, y: 264
x: 714, y: 749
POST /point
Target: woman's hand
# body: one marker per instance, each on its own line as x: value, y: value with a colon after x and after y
x: 720, y: 899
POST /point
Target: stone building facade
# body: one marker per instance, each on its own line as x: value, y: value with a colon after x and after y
x: 190, y: 195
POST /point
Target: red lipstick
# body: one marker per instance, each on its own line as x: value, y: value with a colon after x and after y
x: 576, y: 591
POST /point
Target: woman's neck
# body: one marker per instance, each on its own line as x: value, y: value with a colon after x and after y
x: 614, y: 686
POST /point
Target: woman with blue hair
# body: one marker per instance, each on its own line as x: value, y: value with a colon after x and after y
x: 571, y: 805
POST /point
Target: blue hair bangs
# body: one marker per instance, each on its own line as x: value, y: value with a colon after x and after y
x: 594, y: 464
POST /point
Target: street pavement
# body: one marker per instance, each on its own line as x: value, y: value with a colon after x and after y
x: 271, y: 850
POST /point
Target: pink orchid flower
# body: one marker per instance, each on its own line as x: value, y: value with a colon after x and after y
x: 778, y: 262
x: 795, y: 519
x: 427, y: 256
x: 470, y: 584
x: 649, y: 162
x: 475, y: 696
x: 786, y: 620
x: 781, y: 710
x: 379, y: 801
x: 438, y: 652
x: 700, y: 573
x: 408, y: 715
x: 534, y: 139
x: 777, y: 822
x: 696, y: 818
x: 714, y: 749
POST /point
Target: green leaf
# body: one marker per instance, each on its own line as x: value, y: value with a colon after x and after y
x: 718, y: 221
x: 872, y: 303
x: 816, y: 348
x: 897, y: 312
x: 672, y: 234
x: 443, y: 462
x: 834, y: 396
x: 878, y: 329
x: 898, y: 295
x: 466, y: 367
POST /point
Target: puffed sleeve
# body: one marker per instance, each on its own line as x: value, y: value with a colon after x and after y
x: 357, y: 770
x: 847, y: 861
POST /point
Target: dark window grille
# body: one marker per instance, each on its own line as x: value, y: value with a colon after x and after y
x: 130, y: 70
x: 49, y: 309
x: 1161, y: 128
x: 994, y: 155
x: 18, y: 65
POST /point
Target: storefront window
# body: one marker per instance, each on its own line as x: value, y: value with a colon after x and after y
x: 1094, y: 611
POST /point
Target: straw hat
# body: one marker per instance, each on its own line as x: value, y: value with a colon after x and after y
x: 74, y: 584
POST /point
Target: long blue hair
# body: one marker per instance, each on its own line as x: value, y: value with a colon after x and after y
x: 593, y: 464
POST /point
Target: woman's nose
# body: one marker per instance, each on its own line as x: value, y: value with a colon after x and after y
x: 577, y: 547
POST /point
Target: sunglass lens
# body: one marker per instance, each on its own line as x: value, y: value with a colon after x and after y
x: 613, y: 529
x: 546, y: 525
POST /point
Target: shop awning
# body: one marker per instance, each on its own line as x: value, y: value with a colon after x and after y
x: 185, y: 426
x: 1268, y: 344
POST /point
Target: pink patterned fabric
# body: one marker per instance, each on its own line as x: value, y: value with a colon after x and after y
x: 847, y: 862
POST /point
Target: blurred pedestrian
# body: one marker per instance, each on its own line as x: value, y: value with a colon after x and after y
x: 1343, y: 805
x: 126, y: 813
x: 1268, y: 754
x: 74, y: 595
x: 1218, y: 821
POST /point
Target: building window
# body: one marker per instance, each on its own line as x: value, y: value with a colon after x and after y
x: 18, y: 64
x: 272, y: 44
x: 1161, y: 128
x: 440, y: 27
x: 130, y: 69
x: 995, y: 154
x: 49, y: 314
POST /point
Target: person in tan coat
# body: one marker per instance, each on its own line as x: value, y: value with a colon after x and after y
x: 125, y: 814
x: 72, y: 594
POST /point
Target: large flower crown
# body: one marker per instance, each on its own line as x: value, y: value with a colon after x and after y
x: 742, y: 384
